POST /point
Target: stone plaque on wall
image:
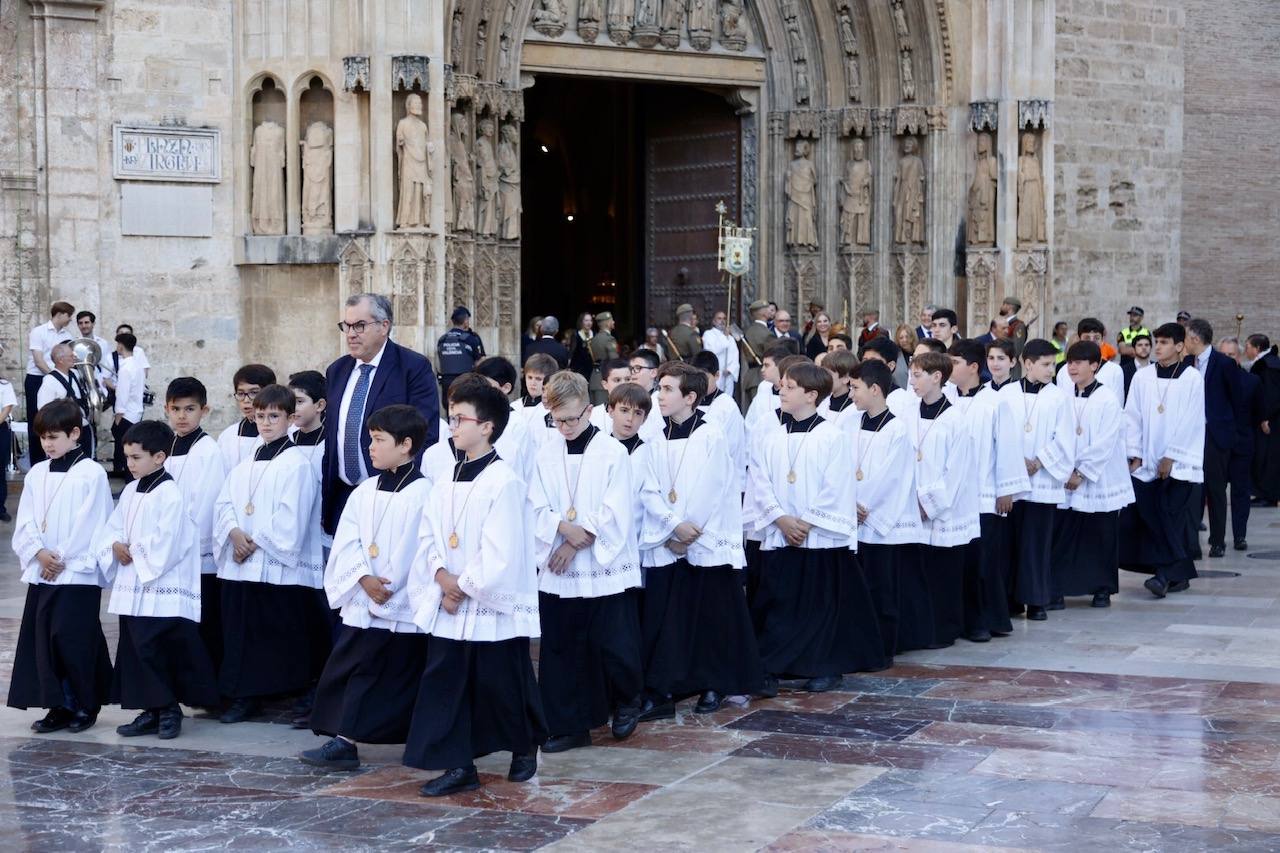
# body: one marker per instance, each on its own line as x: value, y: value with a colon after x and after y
x: 183, y: 154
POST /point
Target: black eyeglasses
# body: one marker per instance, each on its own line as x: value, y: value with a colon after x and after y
x: 359, y: 326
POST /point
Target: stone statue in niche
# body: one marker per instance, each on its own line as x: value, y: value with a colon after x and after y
x: 487, y: 166
x: 509, y: 182
x: 317, y: 179
x: 855, y: 208
x: 702, y: 22
x: 981, y: 226
x: 589, y: 14
x: 802, y: 183
x: 672, y: 22
x: 908, y: 196
x: 900, y: 22
x: 1031, y: 213
x: 464, y: 179
x: 620, y: 17
x: 849, y: 44
x: 266, y: 157
x: 733, y: 32
x: 908, y: 76
x: 646, y: 28
x: 413, y: 158
x: 548, y: 17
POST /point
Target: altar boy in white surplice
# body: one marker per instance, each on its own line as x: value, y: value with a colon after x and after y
x: 369, y: 683
x: 583, y: 525
x: 152, y: 547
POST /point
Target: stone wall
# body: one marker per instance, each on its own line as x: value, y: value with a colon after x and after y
x: 1231, y: 167
x: 1118, y: 145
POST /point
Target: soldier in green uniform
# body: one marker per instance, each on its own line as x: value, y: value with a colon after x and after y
x: 684, y: 338
x: 602, y: 346
x: 756, y: 340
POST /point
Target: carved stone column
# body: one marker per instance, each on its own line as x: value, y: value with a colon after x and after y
x: 857, y: 260
x: 803, y: 258
x: 1033, y: 264
x: 982, y: 271
x: 910, y: 269
x: 1031, y: 285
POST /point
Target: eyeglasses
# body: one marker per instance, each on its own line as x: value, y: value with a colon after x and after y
x: 571, y: 422
x: 456, y: 421
x: 245, y: 396
x: 359, y: 326
x: 636, y: 368
x: 269, y: 417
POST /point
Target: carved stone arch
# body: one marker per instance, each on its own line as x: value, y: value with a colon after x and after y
x: 303, y: 82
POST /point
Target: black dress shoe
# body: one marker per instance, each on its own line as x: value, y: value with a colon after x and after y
x: 1217, y: 550
x: 170, y: 722
x: 241, y: 710
x: 333, y: 754
x: 651, y: 710
x: 4, y: 515
x: 1036, y: 613
x: 146, y: 723
x: 1016, y: 610
x: 453, y: 781
x: 1241, y: 545
x: 978, y: 635
x: 625, y: 721
x: 768, y: 689
x: 1101, y: 599
x: 822, y: 683
x: 1157, y: 586
x: 81, y: 721
x: 1058, y: 603
x: 708, y: 703
x: 56, y: 720
x: 524, y: 766
x: 564, y: 743
x: 1179, y: 586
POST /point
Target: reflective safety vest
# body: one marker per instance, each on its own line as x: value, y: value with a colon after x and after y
x: 1127, y: 334
x: 1062, y: 350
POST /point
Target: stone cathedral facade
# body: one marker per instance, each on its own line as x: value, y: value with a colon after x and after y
x: 222, y: 173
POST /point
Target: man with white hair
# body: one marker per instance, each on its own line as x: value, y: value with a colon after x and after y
x: 549, y: 343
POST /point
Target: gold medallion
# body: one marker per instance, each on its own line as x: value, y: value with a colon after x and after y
x: 453, y: 539
x: 919, y: 455
x: 858, y: 474
x: 373, y: 550
x: 1079, y: 430
x: 1027, y: 427
x: 671, y: 496
x: 1160, y: 409
x: 44, y: 527
x: 572, y: 514
x: 248, y: 508
x: 791, y: 476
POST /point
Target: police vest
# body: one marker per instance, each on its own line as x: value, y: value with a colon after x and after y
x: 455, y: 353
x: 1127, y: 334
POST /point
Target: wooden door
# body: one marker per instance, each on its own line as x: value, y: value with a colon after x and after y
x: 692, y: 161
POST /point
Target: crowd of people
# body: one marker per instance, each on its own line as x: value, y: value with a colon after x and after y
x: 714, y: 513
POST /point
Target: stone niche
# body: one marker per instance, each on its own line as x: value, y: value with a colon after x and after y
x: 413, y: 154
x: 315, y: 125
x: 267, y: 160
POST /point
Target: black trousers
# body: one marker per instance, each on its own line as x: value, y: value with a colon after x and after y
x: 117, y: 450
x: 1217, y: 461
x: 6, y: 459
x: 31, y: 390
x: 1240, y: 476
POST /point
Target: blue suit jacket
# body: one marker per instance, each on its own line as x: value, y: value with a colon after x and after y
x: 1223, y: 391
x: 403, y: 376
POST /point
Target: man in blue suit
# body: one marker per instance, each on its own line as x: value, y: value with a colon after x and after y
x: 378, y: 372
x: 1223, y: 393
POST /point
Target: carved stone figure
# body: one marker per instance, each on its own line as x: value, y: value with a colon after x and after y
x: 802, y: 82
x: 908, y: 76
x: 900, y: 22
x: 849, y: 44
x: 509, y: 183
x: 733, y: 32
x: 1031, y: 213
x: 908, y: 196
x: 673, y: 14
x: 620, y: 18
x: 464, y: 179
x: 646, y: 28
x: 548, y: 18
x: 702, y: 21
x: 802, y: 182
x: 487, y: 166
x: 317, y: 179
x: 980, y: 229
x: 413, y: 157
x: 589, y: 14
x: 855, y: 207
x: 266, y: 157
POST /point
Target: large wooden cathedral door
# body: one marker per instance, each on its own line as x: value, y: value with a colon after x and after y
x: 691, y: 162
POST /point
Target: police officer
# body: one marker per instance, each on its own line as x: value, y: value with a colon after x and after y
x: 684, y: 337
x: 458, y: 349
x: 602, y: 346
x: 1127, y: 335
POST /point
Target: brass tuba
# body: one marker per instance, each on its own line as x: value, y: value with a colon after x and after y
x: 88, y: 356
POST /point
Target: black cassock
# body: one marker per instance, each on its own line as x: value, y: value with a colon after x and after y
x: 1266, y: 448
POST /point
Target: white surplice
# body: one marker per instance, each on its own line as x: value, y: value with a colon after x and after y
x: 886, y: 458
x: 374, y: 516
x: 312, y: 553
x: 236, y: 447
x: 1000, y: 470
x: 824, y: 493
x: 1165, y: 418
x: 1100, y: 453
x: 199, y: 475
x: 62, y: 512
x: 726, y: 352
x: 597, y: 485
x: 1109, y: 375
x: 1050, y: 439
x: 945, y: 475
x: 164, y: 577
x: 724, y: 413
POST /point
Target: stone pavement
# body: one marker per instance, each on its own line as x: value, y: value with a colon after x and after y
x: 1154, y: 725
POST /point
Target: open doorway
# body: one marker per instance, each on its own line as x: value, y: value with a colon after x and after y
x: 620, y: 182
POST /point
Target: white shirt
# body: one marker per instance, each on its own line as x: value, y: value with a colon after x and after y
x: 1202, y: 362
x: 51, y: 388
x: 141, y: 355
x: 347, y: 394
x: 129, y: 388
x: 45, y: 338
x: 7, y: 396
x: 106, y: 369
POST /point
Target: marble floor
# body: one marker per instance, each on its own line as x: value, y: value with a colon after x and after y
x: 1152, y: 726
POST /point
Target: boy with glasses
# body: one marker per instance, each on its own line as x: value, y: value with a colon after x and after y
x: 238, y: 441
